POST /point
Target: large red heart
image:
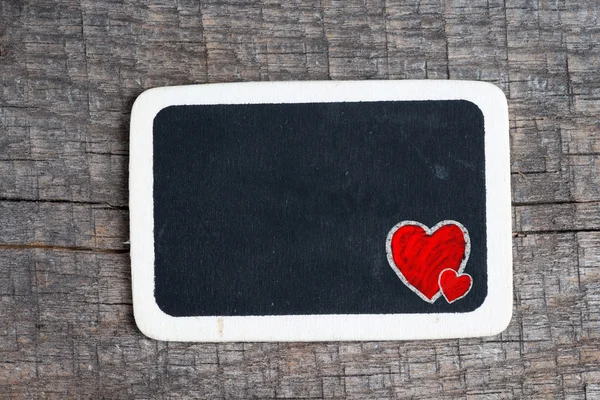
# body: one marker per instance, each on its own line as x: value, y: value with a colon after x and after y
x: 418, y: 254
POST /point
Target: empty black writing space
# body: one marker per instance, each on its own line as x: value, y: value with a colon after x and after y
x: 274, y: 209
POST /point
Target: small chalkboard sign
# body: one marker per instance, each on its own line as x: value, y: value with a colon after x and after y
x: 311, y: 211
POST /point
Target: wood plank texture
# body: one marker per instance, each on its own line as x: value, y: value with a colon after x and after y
x: 69, y: 72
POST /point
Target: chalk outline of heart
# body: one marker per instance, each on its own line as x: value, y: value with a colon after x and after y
x: 458, y: 275
x: 429, y: 232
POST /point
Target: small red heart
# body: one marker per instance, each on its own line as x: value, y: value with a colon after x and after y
x: 418, y: 254
x: 454, y: 286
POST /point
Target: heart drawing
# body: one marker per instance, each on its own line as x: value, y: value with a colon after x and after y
x: 431, y: 261
x: 453, y: 285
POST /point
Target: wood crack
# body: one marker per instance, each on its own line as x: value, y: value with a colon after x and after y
x: 30, y: 246
x: 62, y: 201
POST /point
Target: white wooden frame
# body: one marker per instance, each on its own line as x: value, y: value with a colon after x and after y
x: 490, y: 318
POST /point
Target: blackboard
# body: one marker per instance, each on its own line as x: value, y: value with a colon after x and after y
x: 310, y: 211
x: 283, y: 209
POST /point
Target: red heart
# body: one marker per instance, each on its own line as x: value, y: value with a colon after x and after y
x: 418, y: 254
x: 453, y: 285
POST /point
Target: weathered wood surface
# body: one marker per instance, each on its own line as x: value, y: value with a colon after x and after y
x: 70, y: 71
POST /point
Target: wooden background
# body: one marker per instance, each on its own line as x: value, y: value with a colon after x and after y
x: 70, y: 71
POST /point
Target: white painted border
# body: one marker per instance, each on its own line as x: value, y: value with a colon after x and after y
x: 428, y: 231
x: 490, y: 318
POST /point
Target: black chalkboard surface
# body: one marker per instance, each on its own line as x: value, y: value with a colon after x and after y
x: 284, y: 209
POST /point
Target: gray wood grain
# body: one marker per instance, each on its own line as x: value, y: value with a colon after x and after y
x: 69, y: 72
